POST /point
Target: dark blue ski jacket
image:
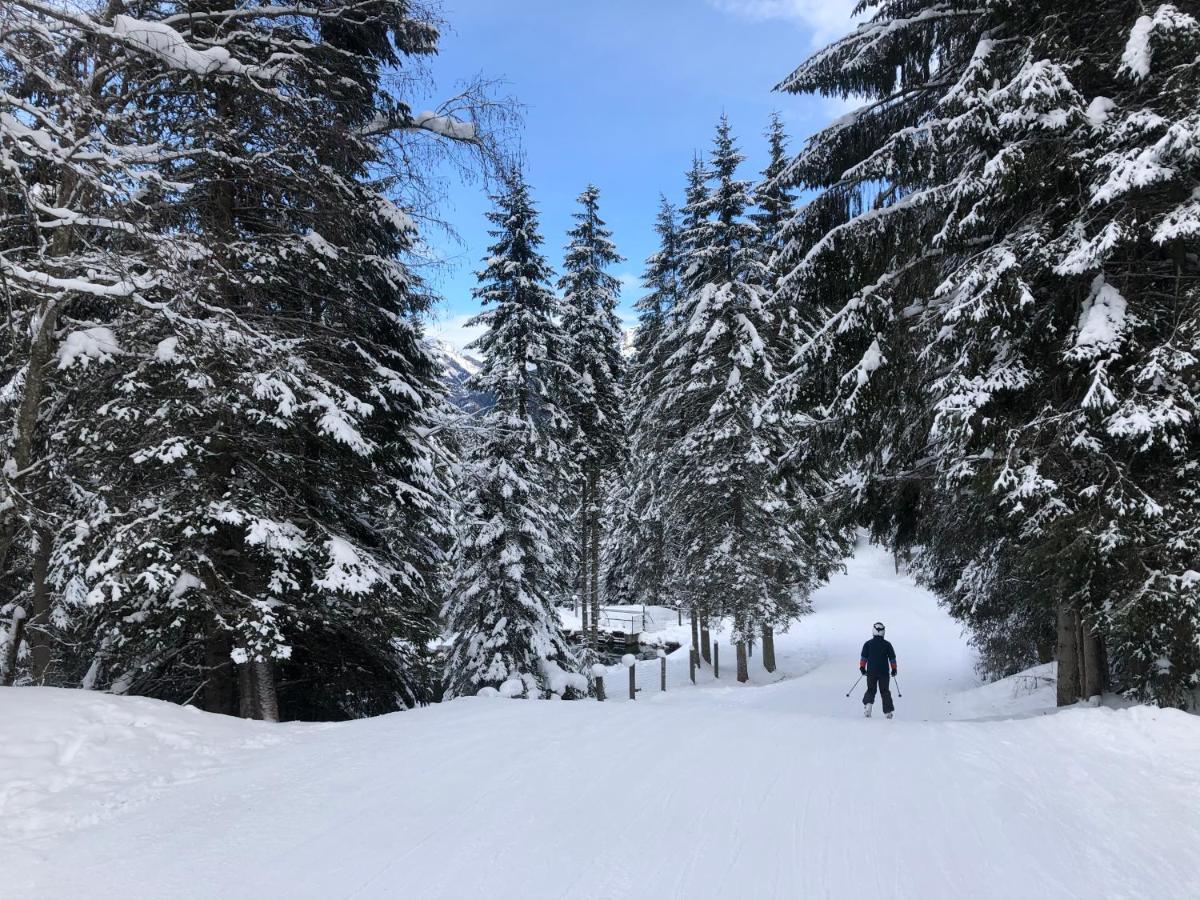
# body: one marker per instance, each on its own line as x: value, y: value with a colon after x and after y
x: 877, y: 655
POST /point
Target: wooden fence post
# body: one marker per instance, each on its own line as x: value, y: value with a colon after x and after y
x: 630, y: 663
x: 717, y: 659
x: 692, y: 665
x: 662, y: 658
x: 598, y: 674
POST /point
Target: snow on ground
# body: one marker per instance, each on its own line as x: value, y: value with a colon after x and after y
x: 779, y: 789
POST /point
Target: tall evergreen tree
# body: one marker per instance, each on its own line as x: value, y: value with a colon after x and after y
x: 724, y: 514
x: 510, y: 553
x: 1003, y: 320
x: 775, y: 205
x: 590, y: 295
x: 774, y: 198
x: 247, y: 494
x: 636, y: 559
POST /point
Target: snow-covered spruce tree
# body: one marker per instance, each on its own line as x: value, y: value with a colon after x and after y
x: 1003, y: 309
x: 74, y: 242
x: 774, y: 199
x: 821, y: 539
x: 660, y: 407
x: 252, y: 487
x: 513, y: 544
x: 589, y: 302
x: 635, y: 556
x: 722, y: 509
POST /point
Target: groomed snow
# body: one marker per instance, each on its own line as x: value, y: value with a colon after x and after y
x: 778, y: 789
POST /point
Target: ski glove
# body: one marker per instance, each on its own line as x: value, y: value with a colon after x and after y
x: 894, y: 670
x: 862, y: 670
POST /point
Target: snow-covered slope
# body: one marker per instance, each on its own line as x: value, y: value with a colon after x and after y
x: 779, y: 789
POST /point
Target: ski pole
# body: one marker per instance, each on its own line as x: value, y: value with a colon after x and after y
x: 853, y: 686
x: 895, y: 679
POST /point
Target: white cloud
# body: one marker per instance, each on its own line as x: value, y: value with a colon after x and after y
x: 826, y: 19
x: 631, y: 285
x: 454, y: 330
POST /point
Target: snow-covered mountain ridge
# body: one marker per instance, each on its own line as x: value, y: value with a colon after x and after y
x: 458, y: 367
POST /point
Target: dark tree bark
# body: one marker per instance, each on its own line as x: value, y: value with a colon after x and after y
x: 743, y: 666
x: 705, y: 640
x: 221, y: 688
x: 593, y: 555
x: 581, y: 600
x: 1068, y: 656
x: 247, y: 693
x: 768, y: 648
x: 40, y: 645
x: 1093, y: 680
x: 264, y: 685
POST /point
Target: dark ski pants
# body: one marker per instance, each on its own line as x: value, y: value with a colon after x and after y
x: 883, y: 682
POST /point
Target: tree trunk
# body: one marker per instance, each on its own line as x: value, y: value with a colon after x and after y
x: 1093, y: 680
x: 695, y: 634
x: 581, y: 600
x: 743, y: 667
x: 8, y: 666
x: 247, y: 693
x: 264, y: 687
x: 705, y: 640
x: 594, y: 556
x: 1068, y: 655
x: 221, y: 688
x: 768, y: 648
x: 39, y: 623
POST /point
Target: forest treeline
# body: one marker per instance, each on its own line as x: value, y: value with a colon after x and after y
x: 965, y: 316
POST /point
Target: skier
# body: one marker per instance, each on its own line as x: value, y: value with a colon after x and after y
x: 877, y: 655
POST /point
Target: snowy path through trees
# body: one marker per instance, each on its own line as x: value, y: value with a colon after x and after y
x: 778, y: 791
x: 818, y: 658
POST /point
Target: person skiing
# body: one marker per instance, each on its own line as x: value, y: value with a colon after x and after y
x: 877, y: 655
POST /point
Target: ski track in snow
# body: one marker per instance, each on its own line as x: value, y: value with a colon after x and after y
x: 779, y: 789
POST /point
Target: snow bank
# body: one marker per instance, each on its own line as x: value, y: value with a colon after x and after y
x: 764, y: 791
x: 118, y: 797
x: 74, y: 759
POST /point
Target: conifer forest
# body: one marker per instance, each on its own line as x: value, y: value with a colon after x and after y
x: 932, y: 362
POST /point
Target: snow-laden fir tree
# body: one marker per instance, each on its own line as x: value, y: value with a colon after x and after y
x: 774, y: 202
x: 513, y: 543
x: 1003, y: 320
x: 774, y: 199
x: 589, y: 299
x: 247, y: 487
x: 723, y: 515
x: 69, y: 191
x: 635, y: 557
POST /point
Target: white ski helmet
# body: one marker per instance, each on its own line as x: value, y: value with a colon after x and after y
x: 877, y: 628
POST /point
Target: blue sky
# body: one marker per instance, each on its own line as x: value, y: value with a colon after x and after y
x: 620, y: 93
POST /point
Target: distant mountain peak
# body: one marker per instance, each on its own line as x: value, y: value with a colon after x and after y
x: 458, y: 367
